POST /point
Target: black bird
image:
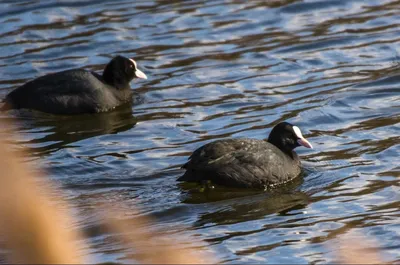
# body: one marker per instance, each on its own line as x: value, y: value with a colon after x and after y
x: 78, y: 91
x: 248, y: 163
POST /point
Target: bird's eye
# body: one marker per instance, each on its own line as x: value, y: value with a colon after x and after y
x: 131, y: 66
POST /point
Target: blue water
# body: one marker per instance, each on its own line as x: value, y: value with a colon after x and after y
x: 221, y: 69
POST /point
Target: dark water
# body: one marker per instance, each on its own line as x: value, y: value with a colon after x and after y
x: 223, y: 69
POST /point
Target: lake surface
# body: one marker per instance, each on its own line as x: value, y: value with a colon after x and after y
x: 220, y: 69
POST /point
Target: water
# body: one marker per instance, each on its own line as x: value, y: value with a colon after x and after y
x: 222, y: 69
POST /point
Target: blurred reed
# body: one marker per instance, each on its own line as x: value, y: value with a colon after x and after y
x: 37, y: 232
x: 355, y: 248
x: 33, y: 230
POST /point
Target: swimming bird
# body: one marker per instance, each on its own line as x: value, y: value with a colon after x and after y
x: 248, y: 163
x: 78, y: 91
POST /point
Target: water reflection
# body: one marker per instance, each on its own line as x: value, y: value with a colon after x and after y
x: 50, y: 133
x: 253, y: 208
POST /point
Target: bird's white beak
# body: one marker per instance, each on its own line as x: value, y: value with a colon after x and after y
x: 304, y: 142
x: 301, y: 141
x: 140, y: 74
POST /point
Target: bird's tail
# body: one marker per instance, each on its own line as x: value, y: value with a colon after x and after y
x: 5, y: 105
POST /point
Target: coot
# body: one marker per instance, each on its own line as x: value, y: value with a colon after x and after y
x: 249, y: 163
x: 78, y: 91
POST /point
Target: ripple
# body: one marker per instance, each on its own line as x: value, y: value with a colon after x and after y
x: 221, y: 69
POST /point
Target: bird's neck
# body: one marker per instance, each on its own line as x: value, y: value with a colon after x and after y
x: 114, y: 79
x: 285, y: 149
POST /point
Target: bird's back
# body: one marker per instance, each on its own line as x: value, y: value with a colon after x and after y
x: 241, y: 163
x: 67, y: 92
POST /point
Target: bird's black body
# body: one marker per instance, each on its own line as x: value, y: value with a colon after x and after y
x: 249, y: 163
x: 77, y: 91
